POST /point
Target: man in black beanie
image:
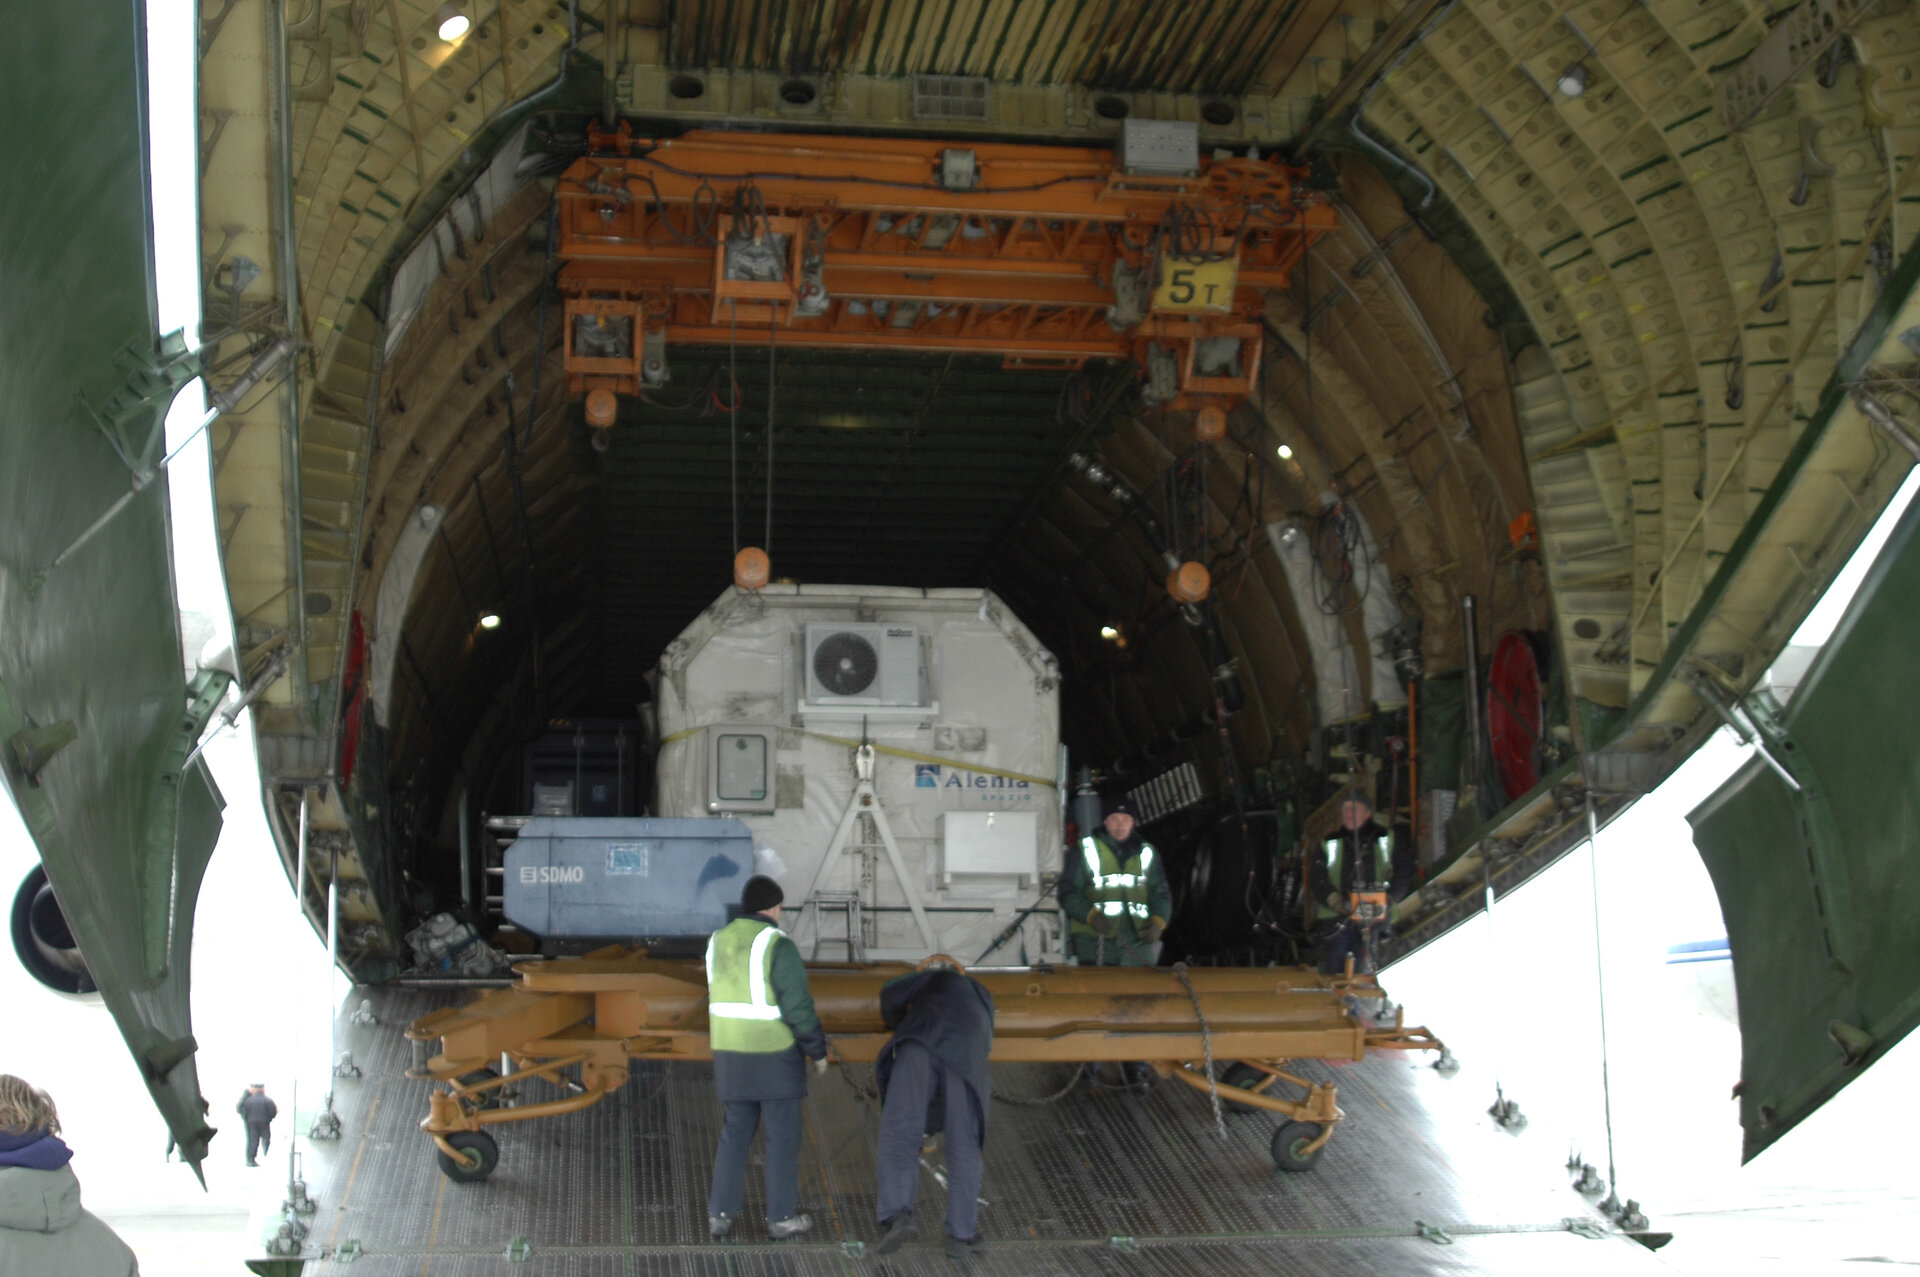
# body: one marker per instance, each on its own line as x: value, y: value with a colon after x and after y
x: 1115, y: 893
x: 761, y: 1023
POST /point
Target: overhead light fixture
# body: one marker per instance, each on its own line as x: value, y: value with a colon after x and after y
x: 1286, y: 453
x: 450, y: 23
x: 491, y: 621
x: 1573, y: 80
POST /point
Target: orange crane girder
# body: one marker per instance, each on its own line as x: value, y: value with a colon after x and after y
x: 1038, y: 254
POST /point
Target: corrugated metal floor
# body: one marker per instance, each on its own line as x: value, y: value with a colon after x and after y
x: 1103, y: 1182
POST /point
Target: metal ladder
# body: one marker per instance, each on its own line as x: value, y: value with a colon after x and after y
x: 864, y: 801
x: 848, y: 905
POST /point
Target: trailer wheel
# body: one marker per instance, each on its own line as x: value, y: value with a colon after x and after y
x: 479, y: 1154
x: 1289, y: 1139
x: 1247, y: 1078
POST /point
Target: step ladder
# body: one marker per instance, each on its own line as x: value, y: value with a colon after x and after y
x: 848, y: 905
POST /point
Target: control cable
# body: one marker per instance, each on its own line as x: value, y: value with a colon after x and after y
x: 733, y: 427
x: 1600, y: 984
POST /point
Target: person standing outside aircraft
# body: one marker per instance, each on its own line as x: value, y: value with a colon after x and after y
x: 932, y: 1075
x: 44, y: 1231
x: 763, y: 1029
x: 1115, y: 893
x: 258, y: 1112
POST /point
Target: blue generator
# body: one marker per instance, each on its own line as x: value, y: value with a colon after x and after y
x: 572, y: 879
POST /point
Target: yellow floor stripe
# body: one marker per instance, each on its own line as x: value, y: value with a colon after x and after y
x: 346, y: 1194
x: 433, y: 1233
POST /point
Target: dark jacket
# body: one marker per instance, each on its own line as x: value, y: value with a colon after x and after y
x: 43, y: 1230
x: 952, y: 1016
x: 257, y: 1109
x: 779, y: 1075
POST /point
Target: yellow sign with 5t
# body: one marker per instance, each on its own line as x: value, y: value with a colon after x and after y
x: 1196, y: 284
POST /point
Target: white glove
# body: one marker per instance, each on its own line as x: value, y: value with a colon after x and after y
x: 820, y: 1065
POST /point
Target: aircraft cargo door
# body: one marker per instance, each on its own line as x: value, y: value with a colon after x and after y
x: 1819, y: 877
x: 98, y: 720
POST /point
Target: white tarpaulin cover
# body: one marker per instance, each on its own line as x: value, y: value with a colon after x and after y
x: 457, y: 231
x: 1378, y: 614
x: 1336, y: 674
x: 988, y: 742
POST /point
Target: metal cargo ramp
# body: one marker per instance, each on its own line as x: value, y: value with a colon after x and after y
x: 1103, y: 1181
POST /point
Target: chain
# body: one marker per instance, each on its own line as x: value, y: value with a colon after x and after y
x: 1206, y: 1041
x: 870, y: 1096
x: 1041, y: 1101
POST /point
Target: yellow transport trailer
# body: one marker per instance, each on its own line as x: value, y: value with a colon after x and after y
x: 601, y: 1012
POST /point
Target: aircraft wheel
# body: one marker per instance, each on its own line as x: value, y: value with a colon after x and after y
x: 1247, y: 1078
x: 1289, y: 1139
x: 479, y: 1154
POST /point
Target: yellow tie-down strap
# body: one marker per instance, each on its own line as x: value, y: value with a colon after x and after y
x: 890, y: 750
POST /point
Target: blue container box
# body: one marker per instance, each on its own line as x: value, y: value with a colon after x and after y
x: 626, y: 877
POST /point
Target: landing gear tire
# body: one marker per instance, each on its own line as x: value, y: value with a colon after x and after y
x: 1247, y: 1078
x: 479, y: 1155
x: 1289, y: 1139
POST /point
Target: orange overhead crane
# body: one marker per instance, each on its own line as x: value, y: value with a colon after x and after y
x: 1047, y: 256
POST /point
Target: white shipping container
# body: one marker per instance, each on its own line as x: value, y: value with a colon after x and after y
x: 961, y: 702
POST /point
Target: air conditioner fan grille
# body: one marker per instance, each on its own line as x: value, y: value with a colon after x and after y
x: 845, y: 664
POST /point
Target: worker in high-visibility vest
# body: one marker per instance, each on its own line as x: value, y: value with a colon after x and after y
x: 762, y: 1028
x: 1115, y: 893
x: 1348, y: 882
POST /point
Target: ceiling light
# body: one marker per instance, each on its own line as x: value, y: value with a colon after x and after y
x: 491, y: 621
x: 450, y: 22
x: 1573, y: 80
x: 1286, y: 453
x: 1109, y: 633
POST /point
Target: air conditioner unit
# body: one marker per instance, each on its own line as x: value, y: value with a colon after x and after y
x: 863, y: 665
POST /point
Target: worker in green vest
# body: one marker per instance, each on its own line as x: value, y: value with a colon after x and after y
x: 762, y: 1028
x: 1115, y: 893
x: 1349, y: 881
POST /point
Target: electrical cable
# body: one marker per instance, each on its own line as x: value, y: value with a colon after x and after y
x: 706, y: 213
x: 1600, y: 982
x: 750, y: 220
x: 773, y: 333
x: 1338, y: 542
x: 733, y: 430
x: 707, y: 398
x: 1313, y: 416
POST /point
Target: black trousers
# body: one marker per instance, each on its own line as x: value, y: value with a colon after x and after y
x: 259, y: 1135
